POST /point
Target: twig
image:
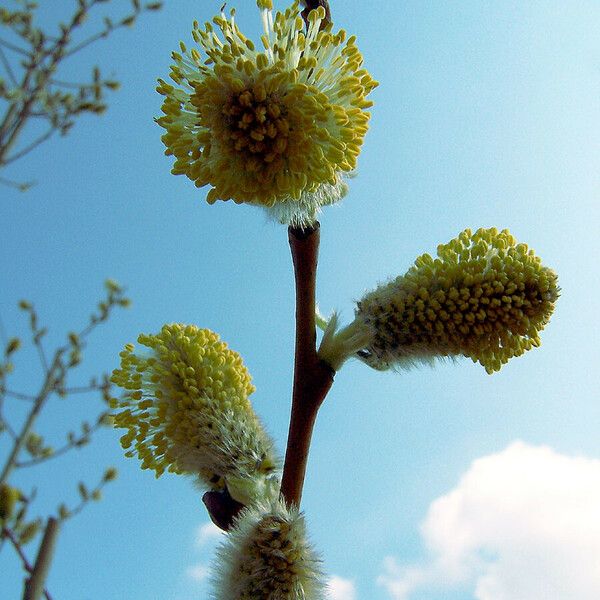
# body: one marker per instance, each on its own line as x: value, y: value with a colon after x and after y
x: 34, y: 586
x: 30, y: 146
x: 13, y: 48
x: 93, y: 38
x: 76, y: 443
x: 8, y: 68
x: 7, y: 427
x: 26, y: 564
x: 18, y: 395
x: 11, y: 536
x: 15, y: 184
x: 83, y: 389
x: 312, y: 380
x: 85, y: 499
x: 47, y: 387
x: 70, y: 85
x: 15, y: 127
x: 312, y: 377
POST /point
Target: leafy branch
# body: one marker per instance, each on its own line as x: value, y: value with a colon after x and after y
x: 29, y: 449
x: 30, y: 84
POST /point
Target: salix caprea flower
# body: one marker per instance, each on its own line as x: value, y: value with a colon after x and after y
x: 267, y: 556
x: 485, y: 297
x: 186, y: 409
x: 278, y: 126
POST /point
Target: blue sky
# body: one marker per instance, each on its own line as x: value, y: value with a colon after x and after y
x: 421, y: 484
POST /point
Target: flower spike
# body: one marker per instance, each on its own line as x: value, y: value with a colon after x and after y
x: 279, y: 126
x: 485, y: 297
x: 266, y: 555
x: 186, y: 409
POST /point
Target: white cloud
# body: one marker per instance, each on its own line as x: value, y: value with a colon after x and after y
x: 400, y: 581
x: 339, y: 588
x: 523, y: 524
x: 207, y: 535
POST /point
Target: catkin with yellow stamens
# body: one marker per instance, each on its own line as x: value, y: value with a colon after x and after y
x: 485, y: 297
x: 278, y: 126
x: 186, y: 409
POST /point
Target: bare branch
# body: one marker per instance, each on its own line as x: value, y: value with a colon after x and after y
x: 11, y: 536
x: 8, y: 427
x: 30, y: 147
x: 6, y: 532
x: 84, y: 389
x: 8, y: 68
x: 86, y: 496
x: 14, y: 48
x: 94, y: 38
x: 13, y: 123
x: 47, y: 387
x: 18, y: 395
x: 70, y: 84
x: 71, y: 445
x: 22, y: 187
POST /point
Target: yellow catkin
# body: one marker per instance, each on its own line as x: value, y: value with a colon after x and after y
x: 485, y: 297
x: 267, y: 126
x: 186, y: 408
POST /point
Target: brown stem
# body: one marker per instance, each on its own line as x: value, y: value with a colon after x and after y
x: 312, y: 377
x: 34, y: 586
x: 312, y: 380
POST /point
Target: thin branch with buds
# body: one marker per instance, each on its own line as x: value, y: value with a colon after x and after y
x: 18, y: 395
x: 7, y: 67
x: 71, y: 445
x: 37, y: 91
x: 32, y: 146
x: 8, y: 533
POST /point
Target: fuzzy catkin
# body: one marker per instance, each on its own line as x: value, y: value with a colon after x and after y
x: 278, y: 124
x: 485, y: 297
x: 267, y: 557
x: 185, y: 407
